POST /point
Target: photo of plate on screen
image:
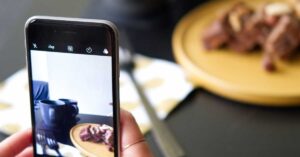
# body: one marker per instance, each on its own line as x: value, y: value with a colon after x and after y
x: 93, y: 139
x: 248, y: 51
x: 62, y: 106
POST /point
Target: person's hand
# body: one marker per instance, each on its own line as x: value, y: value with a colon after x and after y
x: 17, y: 145
x: 132, y: 141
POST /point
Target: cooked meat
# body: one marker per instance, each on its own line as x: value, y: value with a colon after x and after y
x: 296, y: 4
x: 217, y: 34
x: 85, y: 134
x: 273, y: 27
x: 254, y: 32
x: 268, y: 62
x: 108, y: 137
x: 242, y: 42
x: 274, y: 11
x: 110, y: 148
x: 228, y: 29
x: 284, y: 38
x: 258, y: 28
x: 246, y: 39
x: 239, y: 15
x: 98, y: 134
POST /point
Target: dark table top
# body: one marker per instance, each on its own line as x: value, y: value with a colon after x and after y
x: 205, y: 124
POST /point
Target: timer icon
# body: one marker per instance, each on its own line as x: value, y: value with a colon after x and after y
x: 89, y: 50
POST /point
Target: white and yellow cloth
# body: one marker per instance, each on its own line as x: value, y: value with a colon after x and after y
x: 164, y: 83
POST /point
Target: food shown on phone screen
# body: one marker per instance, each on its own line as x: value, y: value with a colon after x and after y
x: 98, y: 134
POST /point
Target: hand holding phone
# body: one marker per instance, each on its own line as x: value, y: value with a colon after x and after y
x: 18, y: 143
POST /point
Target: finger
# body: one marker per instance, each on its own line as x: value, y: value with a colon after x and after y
x: 131, y: 136
x: 137, y: 150
x: 15, y: 144
x: 28, y: 152
x: 130, y: 130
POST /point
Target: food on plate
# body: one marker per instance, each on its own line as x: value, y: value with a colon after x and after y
x: 98, y: 134
x: 272, y: 27
x: 284, y: 38
x: 296, y: 4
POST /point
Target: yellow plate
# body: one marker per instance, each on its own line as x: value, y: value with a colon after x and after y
x: 87, y: 148
x: 232, y: 75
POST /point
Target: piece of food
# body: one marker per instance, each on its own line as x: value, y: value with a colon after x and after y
x: 278, y: 9
x: 108, y: 137
x: 85, y: 134
x: 296, y: 4
x: 284, y: 38
x: 239, y: 16
x: 228, y: 29
x: 268, y: 63
x: 274, y: 28
x: 98, y: 134
x: 217, y: 34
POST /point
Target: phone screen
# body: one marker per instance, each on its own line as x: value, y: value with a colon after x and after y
x: 73, y: 87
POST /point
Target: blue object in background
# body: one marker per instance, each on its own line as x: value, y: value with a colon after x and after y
x: 40, y: 91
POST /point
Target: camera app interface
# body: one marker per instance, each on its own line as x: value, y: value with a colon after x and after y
x: 71, y: 87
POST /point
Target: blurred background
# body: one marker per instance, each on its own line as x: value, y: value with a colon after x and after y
x: 203, y: 123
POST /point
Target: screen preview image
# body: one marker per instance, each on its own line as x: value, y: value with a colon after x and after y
x: 72, y: 98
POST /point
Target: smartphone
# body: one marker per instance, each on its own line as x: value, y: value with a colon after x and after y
x: 73, y: 82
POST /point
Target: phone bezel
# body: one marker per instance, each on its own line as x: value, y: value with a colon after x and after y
x: 112, y: 29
